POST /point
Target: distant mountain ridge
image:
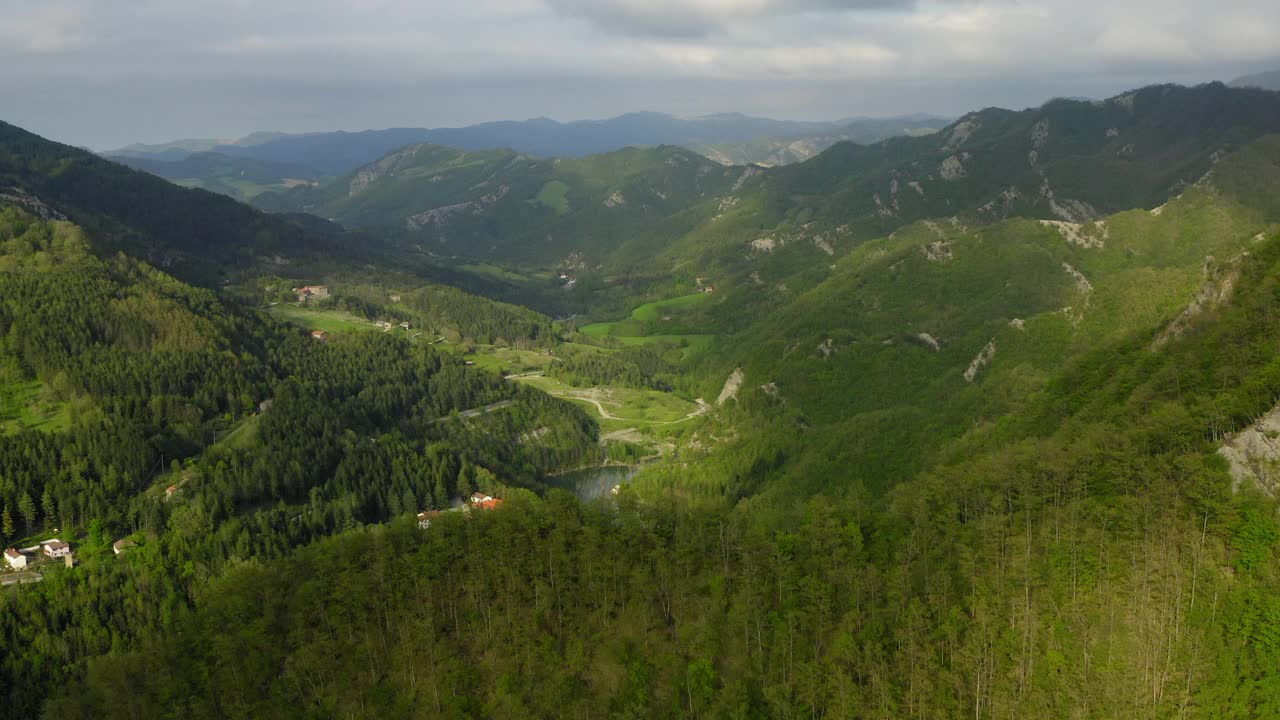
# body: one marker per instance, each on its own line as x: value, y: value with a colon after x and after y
x: 334, y: 153
x: 1263, y: 80
x: 1066, y: 161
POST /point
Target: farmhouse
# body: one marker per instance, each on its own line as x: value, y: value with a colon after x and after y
x: 122, y: 544
x: 320, y: 335
x: 395, y: 298
x: 56, y: 549
x: 307, y: 293
x: 425, y: 518
x: 484, y: 501
x: 16, y: 560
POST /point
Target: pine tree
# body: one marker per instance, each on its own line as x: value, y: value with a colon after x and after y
x: 47, y: 504
x: 27, y: 507
x: 8, y: 527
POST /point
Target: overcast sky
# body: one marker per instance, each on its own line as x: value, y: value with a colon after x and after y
x: 104, y: 73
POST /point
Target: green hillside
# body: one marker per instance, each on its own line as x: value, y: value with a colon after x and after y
x: 514, y: 208
x: 643, y: 223
x: 193, y: 233
x: 214, y: 436
x: 1083, y: 555
x: 981, y: 424
x: 240, y: 178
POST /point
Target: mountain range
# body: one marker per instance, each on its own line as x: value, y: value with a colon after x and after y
x: 244, y: 167
x: 979, y: 423
x: 1263, y: 80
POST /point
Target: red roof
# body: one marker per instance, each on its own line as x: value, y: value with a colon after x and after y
x: 490, y: 504
x: 12, y: 553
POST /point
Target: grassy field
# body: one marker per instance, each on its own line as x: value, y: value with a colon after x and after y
x: 674, y: 349
x: 240, y: 436
x: 597, y: 329
x: 500, y: 273
x: 652, y: 311
x: 632, y: 331
x: 555, y: 195
x: 616, y: 407
x: 22, y: 408
x: 504, y: 360
x: 327, y: 320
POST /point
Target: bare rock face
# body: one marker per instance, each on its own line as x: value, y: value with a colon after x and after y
x: 731, y: 386
x: 765, y: 244
x: 1093, y: 235
x: 983, y: 359
x: 951, y: 168
x: 746, y: 175
x: 1219, y: 282
x: 1254, y: 454
x: 31, y: 204
x: 937, y: 251
x: 1039, y: 136
x: 961, y: 132
x: 440, y: 216
x: 371, y: 173
x: 1076, y: 211
x: 1082, y: 282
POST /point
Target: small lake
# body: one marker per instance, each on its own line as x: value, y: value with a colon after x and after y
x: 592, y: 483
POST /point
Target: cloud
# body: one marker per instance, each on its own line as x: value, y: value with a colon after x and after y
x: 698, y: 18
x: 106, y: 74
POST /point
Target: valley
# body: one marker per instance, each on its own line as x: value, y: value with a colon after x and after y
x: 965, y: 423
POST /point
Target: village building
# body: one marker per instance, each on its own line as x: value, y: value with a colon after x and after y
x: 320, y: 335
x: 169, y: 491
x: 490, y: 504
x: 57, y: 549
x: 16, y: 560
x: 395, y: 298
x: 122, y: 544
x: 425, y: 518
x: 404, y: 325
x: 307, y: 293
x: 479, y: 497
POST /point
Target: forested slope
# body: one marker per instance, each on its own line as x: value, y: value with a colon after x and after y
x: 214, y: 436
x: 194, y: 233
x: 1083, y: 557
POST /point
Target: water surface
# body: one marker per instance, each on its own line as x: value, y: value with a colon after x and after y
x: 592, y: 483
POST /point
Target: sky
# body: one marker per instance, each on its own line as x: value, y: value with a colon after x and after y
x: 106, y: 73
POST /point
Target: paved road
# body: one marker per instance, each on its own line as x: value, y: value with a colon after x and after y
x: 22, y: 577
x: 473, y: 412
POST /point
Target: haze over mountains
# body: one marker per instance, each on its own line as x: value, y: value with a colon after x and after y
x: 269, y: 159
x: 1263, y: 80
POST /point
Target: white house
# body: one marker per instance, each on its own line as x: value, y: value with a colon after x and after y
x: 479, y: 497
x: 56, y: 549
x: 122, y: 544
x: 16, y: 560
